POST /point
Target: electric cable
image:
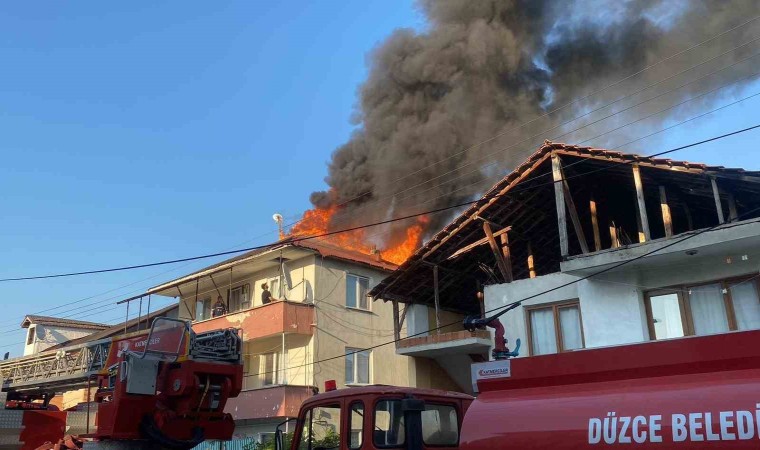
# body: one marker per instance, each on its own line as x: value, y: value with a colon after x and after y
x: 506, y: 307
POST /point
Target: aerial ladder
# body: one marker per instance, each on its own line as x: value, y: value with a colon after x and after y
x: 162, y: 388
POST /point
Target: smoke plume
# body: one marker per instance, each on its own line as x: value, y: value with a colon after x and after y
x: 483, y: 67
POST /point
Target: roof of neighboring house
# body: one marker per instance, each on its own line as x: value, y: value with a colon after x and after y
x: 531, y: 213
x: 113, y: 330
x: 322, y: 248
x: 61, y: 322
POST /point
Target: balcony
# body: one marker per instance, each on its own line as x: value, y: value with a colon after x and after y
x: 436, y: 345
x: 270, y: 402
x: 266, y: 320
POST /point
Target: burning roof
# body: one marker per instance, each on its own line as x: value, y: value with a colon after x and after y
x: 523, y: 204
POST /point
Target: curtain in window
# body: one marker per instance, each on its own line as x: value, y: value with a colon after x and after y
x: 351, y: 291
x: 746, y: 305
x: 570, y: 325
x: 362, y: 369
x: 350, y: 366
x: 270, y: 369
x: 708, y: 309
x: 666, y: 316
x: 363, y: 288
x: 542, y: 333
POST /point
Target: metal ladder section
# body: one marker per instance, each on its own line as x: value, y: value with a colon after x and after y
x: 218, y: 345
x: 68, y: 367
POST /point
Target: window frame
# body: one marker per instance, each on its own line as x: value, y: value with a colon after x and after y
x: 682, y: 291
x: 349, y: 427
x: 373, y: 422
x: 244, y: 287
x: 357, y: 278
x: 31, y: 335
x: 455, y: 406
x: 358, y: 350
x: 206, y: 308
x: 272, y: 282
x: 555, y: 307
x: 302, y: 424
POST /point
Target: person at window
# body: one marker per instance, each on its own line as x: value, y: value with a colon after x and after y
x: 220, y: 308
x: 266, y: 296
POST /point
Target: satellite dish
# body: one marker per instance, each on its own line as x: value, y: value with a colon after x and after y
x: 277, y: 218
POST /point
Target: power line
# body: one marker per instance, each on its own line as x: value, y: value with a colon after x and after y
x: 530, y: 297
x: 715, y: 138
x: 511, y: 192
x: 476, y: 145
x: 329, y: 233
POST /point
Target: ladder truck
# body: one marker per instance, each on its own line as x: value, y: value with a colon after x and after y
x: 692, y: 393
x: 162, y: 388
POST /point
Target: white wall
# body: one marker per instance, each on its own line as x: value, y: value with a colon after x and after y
x: 48, y: 336
x: 612, y: 304
x: 498, y: 295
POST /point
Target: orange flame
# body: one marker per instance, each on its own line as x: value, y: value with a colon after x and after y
x: 317, y: 221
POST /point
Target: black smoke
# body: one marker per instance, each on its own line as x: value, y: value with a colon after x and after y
x: 483, y: 67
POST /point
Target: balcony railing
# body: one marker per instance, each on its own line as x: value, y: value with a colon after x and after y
x: 266, y: 320
x: 446, y: 343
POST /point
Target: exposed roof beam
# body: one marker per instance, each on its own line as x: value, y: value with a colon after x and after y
x: 477, y: 243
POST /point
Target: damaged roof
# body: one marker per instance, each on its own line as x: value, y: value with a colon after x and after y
x: 323, y: 249
x: 465, y: 265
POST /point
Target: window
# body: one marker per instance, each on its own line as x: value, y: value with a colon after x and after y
x: 321, y: 428
x: 357, y: 366
x: 274, y: 287
x: 440, y: 425
x: 704, y: 309
x: 356, y: 292
x: 388, y: 428
x: 356, y: 425
x: 30, y: 336
x: 555, y: 328
x: 269, y: 369
x: 266, y: 437
x: 240, y: 298
x: 203, y: 309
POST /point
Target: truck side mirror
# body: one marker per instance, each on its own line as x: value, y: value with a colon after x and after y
x: 278, y: 444
x: 279, y: 434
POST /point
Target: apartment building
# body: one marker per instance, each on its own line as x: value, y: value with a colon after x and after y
x: 599, y: 248
x: 312, y: 331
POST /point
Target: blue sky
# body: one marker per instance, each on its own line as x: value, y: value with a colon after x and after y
x: 145, y: 131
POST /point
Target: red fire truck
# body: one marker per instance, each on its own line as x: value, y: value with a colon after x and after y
x: 690, y: 393
x: 160, y: 388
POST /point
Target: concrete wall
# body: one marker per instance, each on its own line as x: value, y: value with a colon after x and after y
x: 339, y: 327
x: 612, y: 304
x: 46, y: 336
x: 429, y: 374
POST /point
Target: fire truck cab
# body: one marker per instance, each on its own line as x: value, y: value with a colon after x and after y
x: 376, y: 417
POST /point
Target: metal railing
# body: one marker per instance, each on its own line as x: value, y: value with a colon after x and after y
x: 69, y: 366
